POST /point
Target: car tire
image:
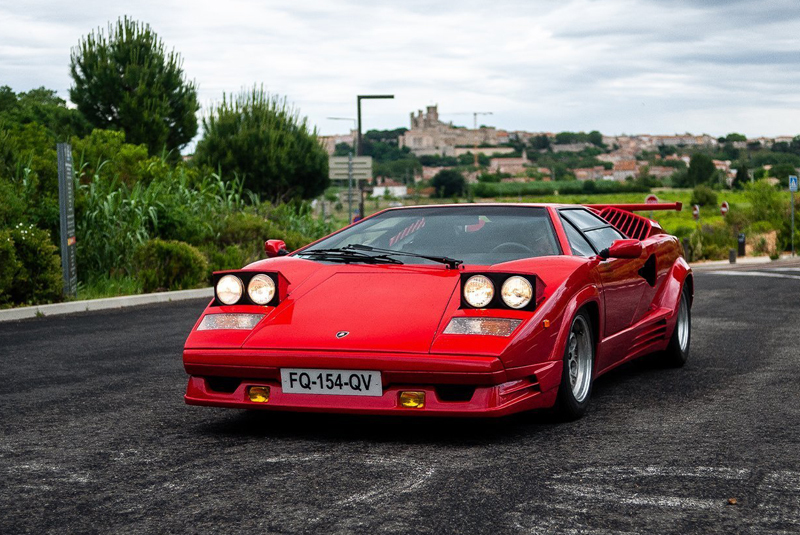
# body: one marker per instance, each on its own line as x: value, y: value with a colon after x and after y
x: 677, y: 351
x: 577, y: 375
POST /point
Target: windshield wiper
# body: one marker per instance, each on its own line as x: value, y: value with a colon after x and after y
x: 347, y: 255
x: 451, y: 263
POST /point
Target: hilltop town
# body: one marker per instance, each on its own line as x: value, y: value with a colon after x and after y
x: 521, y: 156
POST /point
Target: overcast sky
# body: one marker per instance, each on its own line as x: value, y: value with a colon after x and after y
x: 618, y: 66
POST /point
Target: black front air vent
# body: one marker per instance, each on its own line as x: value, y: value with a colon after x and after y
x: 455, y: 393
x: 226, y: 385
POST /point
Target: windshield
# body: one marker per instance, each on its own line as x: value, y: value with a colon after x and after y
x: 475, y: 234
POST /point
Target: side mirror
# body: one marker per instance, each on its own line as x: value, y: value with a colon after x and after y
x: 622, y: 249
x: 275, y: 248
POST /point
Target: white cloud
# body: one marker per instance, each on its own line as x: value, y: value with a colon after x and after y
x: 612, y: 65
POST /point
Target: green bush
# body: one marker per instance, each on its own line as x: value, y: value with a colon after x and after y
x: 169, y: 265
x: 712, y: 242
x: 262, y: 138
x: 449, y: 182
x: 8, y: 266
x: 761, y: 227
x: 231, y: 257
x: 298, y: 217
x: 766, y: 202
x: 249, y: 231
x: 704, y: 196
x: 37, y: 273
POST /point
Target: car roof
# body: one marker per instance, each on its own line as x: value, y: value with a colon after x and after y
x: 494, y: 204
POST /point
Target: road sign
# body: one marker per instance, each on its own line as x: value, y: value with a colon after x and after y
x: 651, y: 199
x: 338, y: 168
x: 696, y: 212
x: 66, y: 201
x: 792, y: 183
x: 723, y: 209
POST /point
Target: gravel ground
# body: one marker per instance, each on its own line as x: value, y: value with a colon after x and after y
x: 96, y: 439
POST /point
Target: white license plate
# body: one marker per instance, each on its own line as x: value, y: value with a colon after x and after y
x: 336, y: 382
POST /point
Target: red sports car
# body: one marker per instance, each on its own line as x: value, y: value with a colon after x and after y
x: 461, y: 310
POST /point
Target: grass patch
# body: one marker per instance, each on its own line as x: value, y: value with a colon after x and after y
x: 108, y: 286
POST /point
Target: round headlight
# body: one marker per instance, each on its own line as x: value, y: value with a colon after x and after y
x: 261, y: 289
x: 478, y: 291
x: 230, y: 289
x: 517, y: 292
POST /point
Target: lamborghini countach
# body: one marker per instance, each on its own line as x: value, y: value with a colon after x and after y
x: 457, y: 310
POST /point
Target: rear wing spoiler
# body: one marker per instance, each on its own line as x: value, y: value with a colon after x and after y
x: 646, y: 207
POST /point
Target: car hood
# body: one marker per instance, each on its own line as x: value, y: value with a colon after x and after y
x: 364, y: 309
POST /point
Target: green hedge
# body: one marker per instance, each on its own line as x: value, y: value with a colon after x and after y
x: 30, y: 268
x: 170, y: 265
x: 564, y: 187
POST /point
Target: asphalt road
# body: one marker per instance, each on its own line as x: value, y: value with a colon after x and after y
x: 96, y: 439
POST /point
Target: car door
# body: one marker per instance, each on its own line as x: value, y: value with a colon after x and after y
x: 622, y: 286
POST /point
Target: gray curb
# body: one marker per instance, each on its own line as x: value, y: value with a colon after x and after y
x: 102, y: 304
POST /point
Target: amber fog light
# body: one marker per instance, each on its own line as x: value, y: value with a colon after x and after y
x: 412, y: 400
x: 258, y: 394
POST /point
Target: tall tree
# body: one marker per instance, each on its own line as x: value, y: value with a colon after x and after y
x: 262, y: 138
x: 449, y: 182
x: 127, y: 81
x: 45, y: 107
x: 701, y: 169
x: 742, y: 177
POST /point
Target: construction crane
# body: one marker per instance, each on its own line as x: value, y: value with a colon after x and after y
x: 475, y: 123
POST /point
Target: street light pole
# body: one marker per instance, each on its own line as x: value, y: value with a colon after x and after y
x: 359, y: 146
x: 359, y: 98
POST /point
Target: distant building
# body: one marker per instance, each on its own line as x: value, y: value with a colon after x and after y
x: 661, y: 172
x: 590, y: 173
x: 394, y: 189
x: 570, y: 147
x: 625, y: 169
x: 329, y: 142
x: 428, y: 135
x: 722, y: 165
x: 513, y: 166
x: 488, y: 151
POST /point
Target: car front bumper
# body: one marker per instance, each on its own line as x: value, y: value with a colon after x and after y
x: 497, y: 391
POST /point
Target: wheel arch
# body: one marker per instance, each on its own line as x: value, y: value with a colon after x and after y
x: 593, y: 308
x: 588, y: 298
x: 688, y: 284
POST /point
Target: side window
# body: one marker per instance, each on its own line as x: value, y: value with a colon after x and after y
x: 583, y: 219
x: 577, y: 242
x: 603, y: 237
x: 600, y: 233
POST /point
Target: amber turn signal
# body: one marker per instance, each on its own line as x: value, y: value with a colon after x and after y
x: 258, y: 394
x: 412, y: 400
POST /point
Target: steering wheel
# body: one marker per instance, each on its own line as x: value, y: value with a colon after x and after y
x: 511, y: 247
